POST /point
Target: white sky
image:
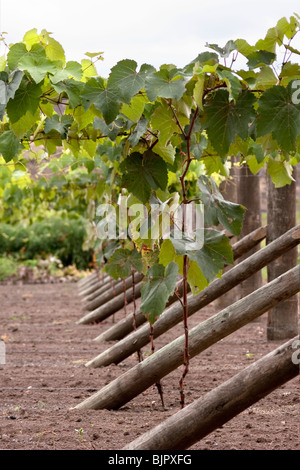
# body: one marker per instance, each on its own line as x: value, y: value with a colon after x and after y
x: 154, y: 32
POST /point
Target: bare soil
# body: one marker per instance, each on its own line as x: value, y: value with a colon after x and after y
x: 45, y: 376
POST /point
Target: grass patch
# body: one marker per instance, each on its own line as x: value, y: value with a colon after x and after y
x: 8, y: 267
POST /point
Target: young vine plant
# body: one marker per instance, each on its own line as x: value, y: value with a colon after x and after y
x: 73, y: 140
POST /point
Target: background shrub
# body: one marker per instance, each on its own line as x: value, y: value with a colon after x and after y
x: 58, y: 236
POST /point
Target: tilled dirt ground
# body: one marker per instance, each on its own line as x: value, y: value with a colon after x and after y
x: 45, y: 377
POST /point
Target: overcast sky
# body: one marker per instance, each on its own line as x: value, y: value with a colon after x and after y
x: 154, y: 32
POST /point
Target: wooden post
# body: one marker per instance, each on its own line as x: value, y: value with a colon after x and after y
x: 108, y: 294
x: 86, y: 285
x: 93, y: 286
x: 165, y: 360
x: 95, y: 275
x: 102, y: 288
x: 217, y: 407
x: 283, y: 319
x: 125, y: 326
x: 229, y: 190
x: 86, y: 279
x: 173, y: 315
x: 115, y: 304
x: 249, y: 196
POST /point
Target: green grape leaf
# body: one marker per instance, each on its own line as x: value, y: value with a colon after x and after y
x: 253, y: 164
x: 16, y: 52
x: 144, y: 173
x: 112, y: 130
x: 88, y: 69
x: 135, y: 108
x: 32, y: 37
x: 244, y: 47
x: 198, y: 144
x: 255, y: 157
x: 165, y: 84
x: 215, y: 164
x: 198, y: 91
x: 159, y: 283
x: 258, y: 151
x: 265, y: 78
x: 103, y: 97
x: 73, y: 89
x: 280, y: 115
x: 90, y: 146
x: 167, y: 153
x: 260, y: 58
x: 163, y: 120
x: 184, y: 243
x: 8, y: 87
x: 72, y: 70
x: 57, y: 124
x: 215, y: 254
x: 230, y: 215
x: 37, y: 66
x: 233, y: 84
x: 223, y: 51
x: 55, y: 51
x: 167, y: 252
x: 279, y: 171
x: 126, y: 81
x: 217, y: 210
x: 204, y: 58
x: 122, y: 262
x: 9, y: 145
x: 25, y: 123
x: 195, y: 278
x: 225, y: 119
x: 26, y: 99
x: 138, y: 131
x: 93, y: 54
x: 270, y: 41
x: 283, y: 27
x: 82, y: 117
x: 292, y: 49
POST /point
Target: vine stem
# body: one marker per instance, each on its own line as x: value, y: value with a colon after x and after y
x: 186, y: 332
x: 158, y: 384
x: 139, y: 352
x: 112, y: 285
x: 184, y: 302
x: 125, y: 297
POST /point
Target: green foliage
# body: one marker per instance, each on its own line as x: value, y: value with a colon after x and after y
x: 158, y: 285
x: 9, y: 84
x: 9, y: 145
x: 126, y: 81
x: 8, y: 266
x: 55, y: 236
x: 167, y: 83
x: 26, y: 99
x: 218, y: 210
x: 143, y: 174
x: 71, y: 140
x: 123, y: 262
x: 226, y: 119
x: 279, y: 115
x: 211, y: 256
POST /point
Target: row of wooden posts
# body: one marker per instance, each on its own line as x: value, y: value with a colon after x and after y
x: 103, y: 297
